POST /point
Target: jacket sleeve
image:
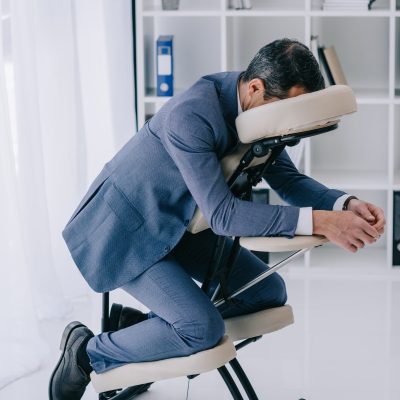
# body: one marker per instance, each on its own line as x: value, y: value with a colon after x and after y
x: 298, y: 189
x: 192, y: 145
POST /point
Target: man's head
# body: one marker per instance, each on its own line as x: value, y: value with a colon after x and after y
x: 282, y: 69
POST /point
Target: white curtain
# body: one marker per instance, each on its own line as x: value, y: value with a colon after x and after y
x: 66, y: 106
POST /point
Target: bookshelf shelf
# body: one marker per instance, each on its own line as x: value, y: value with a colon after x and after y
x: 363, y: 155
x: 264, y: 13
x: 156, y: 99
x: 151, y: 96
x: 182, y: 13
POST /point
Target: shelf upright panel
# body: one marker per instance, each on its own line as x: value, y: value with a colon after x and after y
x: 396, y: 62
x: 140, y: 63
x: 389, y: 228
x: 391, y: 141
x: 307, y: 23
x: 392, y: 85
x: 223, y: 31
x: 307, y: 42
x: 307, y: 146
x: 396, y: 148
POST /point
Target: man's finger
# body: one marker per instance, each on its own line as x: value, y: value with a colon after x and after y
x: 370, y: 230
x: 364, y: 238
x: 365, y: 213
x: 378, y: 213
x: 358, y: 243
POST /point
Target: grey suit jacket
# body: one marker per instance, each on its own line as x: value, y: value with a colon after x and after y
x: 138, y: 207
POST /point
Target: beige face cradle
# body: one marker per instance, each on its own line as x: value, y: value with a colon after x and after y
x: 286, y: 119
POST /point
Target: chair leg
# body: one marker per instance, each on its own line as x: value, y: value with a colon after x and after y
x: 244, y: 380
x: 230, y: 383
x: 105, y: 319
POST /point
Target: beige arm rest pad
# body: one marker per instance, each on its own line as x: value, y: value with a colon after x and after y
x: 258, y: 323
x: 277, y: 244
x: 139, y: 373
x: 296, y: 114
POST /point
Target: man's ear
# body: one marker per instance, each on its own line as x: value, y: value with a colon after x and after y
x: 256, y: 86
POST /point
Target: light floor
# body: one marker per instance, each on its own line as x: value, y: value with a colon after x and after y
x: 345, y: 344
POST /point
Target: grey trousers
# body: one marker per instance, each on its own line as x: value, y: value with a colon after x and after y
x: 183, y: 320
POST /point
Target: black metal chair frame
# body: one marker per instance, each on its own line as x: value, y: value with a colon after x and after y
x: 241, y: 183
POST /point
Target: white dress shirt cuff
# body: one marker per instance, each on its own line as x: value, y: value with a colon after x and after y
x: 338, y: 206
x: 304, y: 224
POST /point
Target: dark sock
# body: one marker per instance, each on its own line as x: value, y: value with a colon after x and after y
x: 130, y: 316
x: 83, y: 358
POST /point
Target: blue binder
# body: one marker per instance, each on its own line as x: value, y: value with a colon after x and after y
x: 165, y: 66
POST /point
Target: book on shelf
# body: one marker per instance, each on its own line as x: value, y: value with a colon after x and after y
x: 240, y: 4
x: 165, y: 64
x: 331, y: 64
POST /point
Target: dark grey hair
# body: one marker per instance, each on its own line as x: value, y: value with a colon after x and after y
x: 283, y: 64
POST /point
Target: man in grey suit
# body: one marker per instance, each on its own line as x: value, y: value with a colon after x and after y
x: 129, y: 231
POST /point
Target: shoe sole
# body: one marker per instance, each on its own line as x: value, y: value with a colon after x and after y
x: 63, y: 345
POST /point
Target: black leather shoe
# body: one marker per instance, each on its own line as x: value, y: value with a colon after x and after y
x: 122, y: 317
x: 69, y: 379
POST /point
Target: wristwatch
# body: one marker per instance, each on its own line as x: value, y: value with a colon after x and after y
x: 347, y: 201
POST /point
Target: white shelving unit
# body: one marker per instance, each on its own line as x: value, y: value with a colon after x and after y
x: 363, y: 156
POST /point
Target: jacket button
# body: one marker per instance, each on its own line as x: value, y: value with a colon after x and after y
x: 167, y: 249
x: 186, y: 222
